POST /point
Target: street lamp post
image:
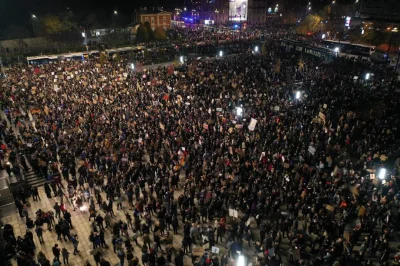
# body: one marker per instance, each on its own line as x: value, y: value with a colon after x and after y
x: 33, y: 25
x: 134, y: 18
x: 337, y: 51
x: 216, y: 20
x: 115, y: 13
x: 395, y: 68
x: 390, y: 44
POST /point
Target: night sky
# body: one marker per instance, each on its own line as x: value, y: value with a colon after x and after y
x: 18, y: 12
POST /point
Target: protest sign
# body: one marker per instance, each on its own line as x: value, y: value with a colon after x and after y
x: 252, y: 124
x: 214, y: 250
x: 330, y: 208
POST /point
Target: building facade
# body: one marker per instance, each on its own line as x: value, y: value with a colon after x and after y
x: 161, y: 19
x: 387, y: 10
x: 260, y: 12
x: 252, y: 12
x: 215, y: 11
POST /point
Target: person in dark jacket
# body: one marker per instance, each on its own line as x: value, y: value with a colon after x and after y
x: 56, y: 252
x: 179, y: 259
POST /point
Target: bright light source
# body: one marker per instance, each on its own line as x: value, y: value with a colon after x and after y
x: 132, y: 66
x: 115, y: 12
x: 298, y: 95
x: 241, y: 261
x: 221, y: 53
x: 181, y: 59
x: 33, y: 16
x: 309, y: 8
x: 382, y: 173
x: 337, y: 49
x: 239, y: 111
x: 256, y: 49
x: 184, y: 8
x: 362, y: 31
x: 83, y: 35
x: 323, y: 36
x: 367, y: 76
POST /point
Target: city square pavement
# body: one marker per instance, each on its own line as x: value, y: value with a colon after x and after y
x: 82, y: 227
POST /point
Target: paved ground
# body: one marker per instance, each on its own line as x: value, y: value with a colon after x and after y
x: 82, y: 228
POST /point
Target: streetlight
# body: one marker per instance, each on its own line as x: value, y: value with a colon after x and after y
x: 241, y: 261
x: 221, y: 53
x: 382, y: 173
x: 298, y: 95
x: 256, y: 49
x: 216, y: 15
x: 33, y: 25
x: 337, y: 51
x: 115, y: 13
x: 239, y: 111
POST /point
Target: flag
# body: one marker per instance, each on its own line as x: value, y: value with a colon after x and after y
x: 182, y: 160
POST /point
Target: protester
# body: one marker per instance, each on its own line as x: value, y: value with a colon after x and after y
x: 188, y: 146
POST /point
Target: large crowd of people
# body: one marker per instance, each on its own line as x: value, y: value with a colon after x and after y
x: 228, y: 152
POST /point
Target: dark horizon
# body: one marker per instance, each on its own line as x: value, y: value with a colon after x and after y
x: 18, y: 12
